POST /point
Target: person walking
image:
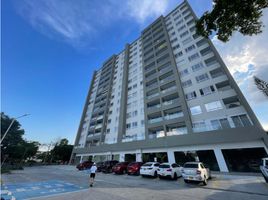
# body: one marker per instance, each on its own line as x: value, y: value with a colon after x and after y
x: 93, y: 170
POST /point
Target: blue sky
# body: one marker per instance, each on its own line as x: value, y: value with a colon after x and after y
x: 51, y: 47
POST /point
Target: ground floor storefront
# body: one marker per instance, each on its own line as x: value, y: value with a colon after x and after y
x: 226, y: 157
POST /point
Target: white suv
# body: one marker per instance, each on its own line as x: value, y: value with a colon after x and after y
x: 149, y: 169
x: 171, y: 170
x: 264, y: 169
x: 195, y: 171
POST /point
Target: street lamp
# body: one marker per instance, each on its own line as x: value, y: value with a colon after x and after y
x: 11, y: 125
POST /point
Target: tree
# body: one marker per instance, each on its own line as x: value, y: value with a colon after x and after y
x: 228, y: 16
x: 262, y: 85
x: 62, y: 151
x: 14, y: 147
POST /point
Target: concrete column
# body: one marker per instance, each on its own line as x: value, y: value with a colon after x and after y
x: 81, y: 159
x: 138, y: 156
x: 121, y: 157
x: 171, y: 157
x: 221, y: 161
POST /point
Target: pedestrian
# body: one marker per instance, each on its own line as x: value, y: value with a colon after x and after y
x: 93, y: 170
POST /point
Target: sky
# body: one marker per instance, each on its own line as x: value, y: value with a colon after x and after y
x: 50, y: 49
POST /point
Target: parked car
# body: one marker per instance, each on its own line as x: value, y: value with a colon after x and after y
x: 195, y: 171
x: 169, y: 170
x: 120, y: 168
x: 149, y: 169
x: 134, y: 168
x: 264, y: 169
x: 99, y: 166
x: 84, y: 165
x: 108, y: 165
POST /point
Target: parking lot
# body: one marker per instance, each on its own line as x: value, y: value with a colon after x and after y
x: 65, y: 182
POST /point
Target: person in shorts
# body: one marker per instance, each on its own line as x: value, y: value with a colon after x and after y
x: 93, y: 170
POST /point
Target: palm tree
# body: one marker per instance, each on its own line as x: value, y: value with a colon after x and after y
x: 262, y: 85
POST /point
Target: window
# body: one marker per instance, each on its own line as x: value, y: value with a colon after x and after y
x: 184, y: 72
x: 179, y: 22
x: 190, y: 95
x: 128, y: 126
x: 173, y: 40
x: 197, y: 66
x: 215, y: 124
x: 184, y: 34
x: 181, y: 28
x: 142, y: 122
x: 215, y: 105
x: 134, y: 124
x: 128, y: 115
x: 199, y: 126
x: 190, y: 48
x: 187, y: 83
x: 135, y: 113
x: 134, y: 86
x: 202, y: 77
x: 241, y: 120
x: 178, y: 54
x: 193, y: 57
x: 176, y: 47
x: 195, y: 110
x: 207, y: 90
x: 187, y: 40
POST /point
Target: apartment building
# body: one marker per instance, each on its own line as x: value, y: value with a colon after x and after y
x: 168, y: 96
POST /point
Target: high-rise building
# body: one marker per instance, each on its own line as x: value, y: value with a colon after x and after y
x: 168, y: 96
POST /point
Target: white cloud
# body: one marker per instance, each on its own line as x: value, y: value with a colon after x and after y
x: 142, y: 10
x: 80, y: 22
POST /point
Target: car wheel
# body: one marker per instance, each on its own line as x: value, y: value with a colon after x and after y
x: 160, y: 177
x: 186, y: 181
x: 155, y: 174
x: 143, y: 176
x: 205, y: 182
x: 175, y: 177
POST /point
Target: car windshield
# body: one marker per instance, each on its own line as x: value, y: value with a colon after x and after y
x: 164, y: 166
x: 190, y: 165
x: 147, y: 165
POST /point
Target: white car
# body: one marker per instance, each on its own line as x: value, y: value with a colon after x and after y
x: 170, y: 170
x: 264, y: 169
x: 149, y: 169
x: 195, y: 171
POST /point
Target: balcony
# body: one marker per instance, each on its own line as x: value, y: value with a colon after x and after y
x: 98, y: 126
x: 177, y: 131
x: 152, y: 95
x: 155, y: 120
x: 169, y: 89
x: 174, y: 116
x: 154, y: 106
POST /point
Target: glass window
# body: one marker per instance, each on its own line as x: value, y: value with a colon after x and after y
x: 184, y: 34
x: 190, y: 95
x: 237, y: 121
x: 224, y: 123
x: 245, y: 120
x: 202, y: 77
x: 190, y: 48
x: 178, y: 54
x: 196, y: 110
x: 207, y: 90
x: 184, y: 72
x: 128, y: 126
x: 215, y: 124
x: 193, y: 57
x: 187, y: 83
x: 197, y: 66
x: 215, y: 105
x: 134, y: 124
x: 187, y: 40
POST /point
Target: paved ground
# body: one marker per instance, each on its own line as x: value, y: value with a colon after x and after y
x: 66, y: 183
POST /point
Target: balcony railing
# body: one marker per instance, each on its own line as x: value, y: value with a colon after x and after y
x: 155, y: 120
x: 154, y: 106
x: 169, y: 89
x: 173, y: 116
x: 177, y: 131
x: 152, y: 95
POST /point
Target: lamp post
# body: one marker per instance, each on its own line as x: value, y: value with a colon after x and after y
x: 11, y: 125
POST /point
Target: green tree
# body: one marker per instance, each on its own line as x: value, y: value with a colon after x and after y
x: 14, y: 147
x: 62, y: 151
x: 228, y: 16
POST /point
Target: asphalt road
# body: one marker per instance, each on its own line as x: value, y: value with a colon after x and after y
x: 65, y: 182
